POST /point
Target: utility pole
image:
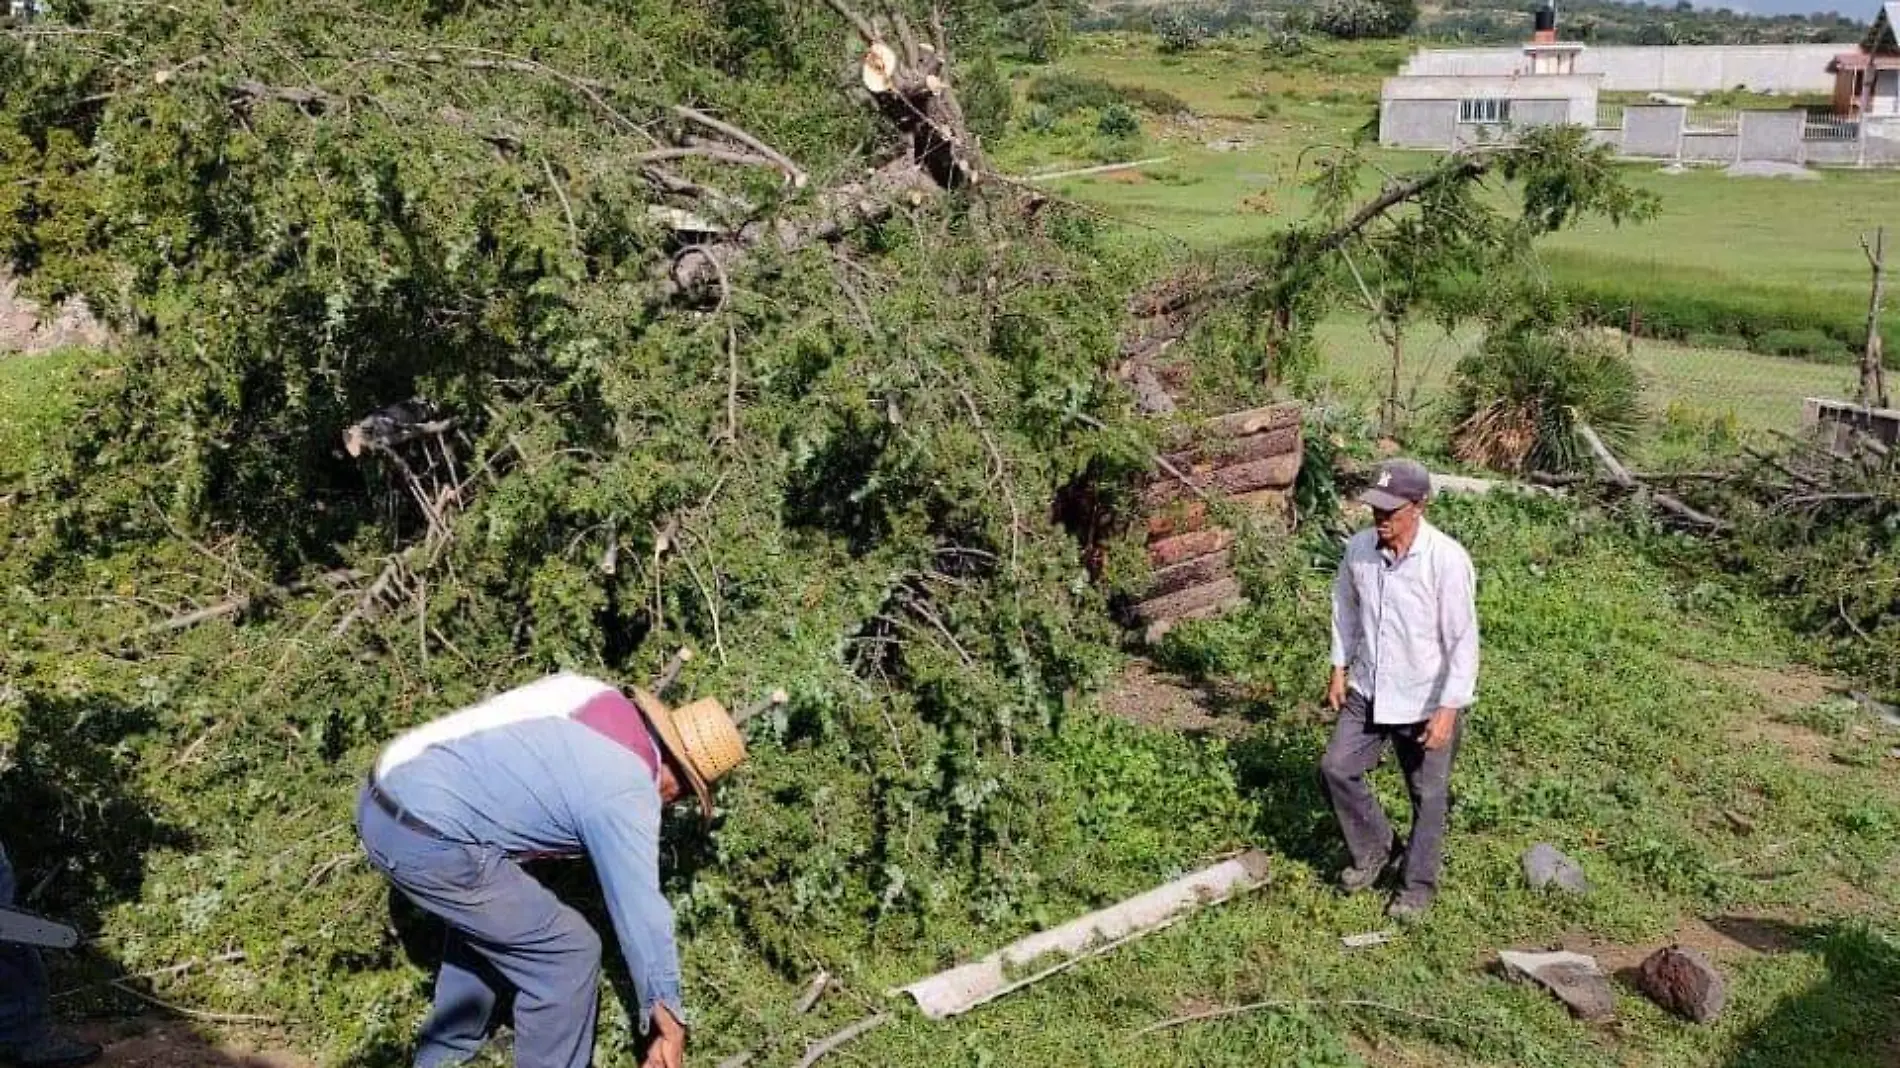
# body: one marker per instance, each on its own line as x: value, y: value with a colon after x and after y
x: 1873, y: 376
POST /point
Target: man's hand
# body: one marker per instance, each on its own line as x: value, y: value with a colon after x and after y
x: 1336, y: 690
x: 669, y: 1041
x: 1439, y: 729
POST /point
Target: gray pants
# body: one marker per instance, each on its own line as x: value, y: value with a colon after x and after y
x: 1357, y: 747
x: 22, y: 981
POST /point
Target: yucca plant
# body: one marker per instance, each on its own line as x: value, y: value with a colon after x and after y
x: 1519, y: 397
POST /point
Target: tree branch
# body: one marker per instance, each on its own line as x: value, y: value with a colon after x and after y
x: 784, y: 162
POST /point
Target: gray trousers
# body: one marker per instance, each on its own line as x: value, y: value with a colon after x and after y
x: 1357, y: 747
x: 22, y: 980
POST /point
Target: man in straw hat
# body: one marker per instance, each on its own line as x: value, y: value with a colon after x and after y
x: 1405, y: 667
x: 564, y: 766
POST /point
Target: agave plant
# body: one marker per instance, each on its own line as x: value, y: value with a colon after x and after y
x: 1519, y: 397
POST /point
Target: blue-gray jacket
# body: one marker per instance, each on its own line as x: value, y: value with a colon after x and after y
x: 559, y: 767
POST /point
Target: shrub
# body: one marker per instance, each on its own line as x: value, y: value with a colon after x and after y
x: 1352, y: 20
x: 1519, y: 397
x: 1118, y: 121
x: 986, y: 98
x: 1066, y: 94
x: 1179, y: 32
x: 1807, y: 344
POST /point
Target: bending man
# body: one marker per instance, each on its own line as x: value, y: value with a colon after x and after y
x: 559, y: 767
x: 1405, y: 667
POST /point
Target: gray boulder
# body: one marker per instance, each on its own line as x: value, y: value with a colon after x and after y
x: 1573, y: 978
x: 1545, y: 866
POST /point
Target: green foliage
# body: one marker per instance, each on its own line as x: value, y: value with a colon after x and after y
x: 1519, y: 397
x: 1807, y: 344
x: 1352, y: 20
x: 1066, y: 94
x: 987, y: 98
x: 1179, y: 32
x: 1118, y: 121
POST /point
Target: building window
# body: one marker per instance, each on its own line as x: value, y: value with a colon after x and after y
x: 1487, y: 110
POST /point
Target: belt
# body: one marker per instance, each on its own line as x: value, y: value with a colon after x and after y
x: 402, y: 815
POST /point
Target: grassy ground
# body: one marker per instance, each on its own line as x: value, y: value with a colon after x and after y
x: 35, y: 393
x: 1623, y: 716
x: 1649, y: 723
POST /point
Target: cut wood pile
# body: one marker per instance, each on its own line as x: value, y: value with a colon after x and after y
x: 1248, y: 461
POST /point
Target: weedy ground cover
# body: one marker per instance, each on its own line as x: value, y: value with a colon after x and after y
x: 1631, y: 714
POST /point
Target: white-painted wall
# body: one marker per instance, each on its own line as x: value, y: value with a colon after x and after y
x: 1796, y: 68
x: 1579, y: 91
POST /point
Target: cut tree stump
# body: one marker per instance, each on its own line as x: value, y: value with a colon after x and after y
x: 1196, y: 572
x: 1249, y: 460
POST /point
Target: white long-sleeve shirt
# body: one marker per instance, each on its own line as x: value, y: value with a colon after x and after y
x: 1406, y: 629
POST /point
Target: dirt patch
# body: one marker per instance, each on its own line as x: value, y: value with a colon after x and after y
x: 23, y: 327
x: 1150, y: 698
x: 1724, y: 938
x: 153, y: 1043
x: 1127, y: 177
x: 1779, y: 691
x: 1784, y: 688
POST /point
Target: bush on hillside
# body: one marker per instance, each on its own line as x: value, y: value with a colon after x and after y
x: 1519, y: 397
x: 1066, y: 94
x: 1118, y: 121
x: 1179, y: 31
x: 1353, y: 20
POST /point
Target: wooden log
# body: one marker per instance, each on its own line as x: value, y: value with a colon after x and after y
x: 1178, y: 547
x: 1273, y: 503
x: 1199, y: 571
x: 1226, y: 451
x: 1174, y: 605
x: 1277, y: 472
x: 1184, y: 518
x: 1159, y: 628
x: 1251, y: 421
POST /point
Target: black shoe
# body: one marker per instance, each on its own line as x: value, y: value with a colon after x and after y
x: 1410, y: 906
x: 1361, y: 876
x: 52, y: 1050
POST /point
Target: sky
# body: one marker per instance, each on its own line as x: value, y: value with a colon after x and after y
x: 1793, y: 7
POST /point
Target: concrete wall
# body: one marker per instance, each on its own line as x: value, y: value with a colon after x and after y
x: 1709, y: 148
x: 1639, y: 68
x: 1772, y: 135
x: 1418, y: 123
x: 1655, y: 131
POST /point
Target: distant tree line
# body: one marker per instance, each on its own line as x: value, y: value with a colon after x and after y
x: 1596, y: 21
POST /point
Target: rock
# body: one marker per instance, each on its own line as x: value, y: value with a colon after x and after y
x: 1546, y: 866
x: 1684, y: 982
x: 1573, y: 977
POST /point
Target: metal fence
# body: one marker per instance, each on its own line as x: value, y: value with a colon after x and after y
x: 1609, y: 116
x: 1821, y: 127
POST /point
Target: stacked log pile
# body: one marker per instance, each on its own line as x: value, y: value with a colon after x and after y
x: 1250, y: 459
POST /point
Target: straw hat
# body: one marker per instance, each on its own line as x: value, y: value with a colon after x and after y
x: 700, y: 737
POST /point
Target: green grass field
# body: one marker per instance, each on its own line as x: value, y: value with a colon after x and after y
x: 1726, y: 255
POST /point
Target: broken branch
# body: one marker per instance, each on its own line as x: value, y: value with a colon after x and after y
x: 792, y: 170
x: 817, y: 1050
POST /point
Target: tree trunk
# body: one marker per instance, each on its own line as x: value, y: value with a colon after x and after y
x: 1873, y: 375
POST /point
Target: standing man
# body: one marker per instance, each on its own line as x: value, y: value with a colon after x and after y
x: 559, y: 767
x: 1405, y: 666
x: 27, y: 1038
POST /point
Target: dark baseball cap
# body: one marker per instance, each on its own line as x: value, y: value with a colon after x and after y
x: 1397, y: 483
